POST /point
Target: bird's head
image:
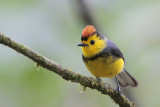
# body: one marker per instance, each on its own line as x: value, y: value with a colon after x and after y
x: 91, y: 41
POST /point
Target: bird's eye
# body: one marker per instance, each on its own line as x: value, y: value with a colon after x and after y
x: 92, y: 42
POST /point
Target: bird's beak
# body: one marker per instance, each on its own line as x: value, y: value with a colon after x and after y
x: 82, y: 44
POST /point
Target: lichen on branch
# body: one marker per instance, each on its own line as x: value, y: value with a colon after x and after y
x: 68, y: 74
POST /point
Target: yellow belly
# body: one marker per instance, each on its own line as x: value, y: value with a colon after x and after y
x: 105, y: 67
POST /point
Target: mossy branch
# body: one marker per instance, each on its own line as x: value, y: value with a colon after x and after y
x: 67, y: 74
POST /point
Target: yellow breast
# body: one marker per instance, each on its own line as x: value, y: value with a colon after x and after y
x: 105, y: 67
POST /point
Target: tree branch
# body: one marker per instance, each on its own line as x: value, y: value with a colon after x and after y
x: 68, y: 74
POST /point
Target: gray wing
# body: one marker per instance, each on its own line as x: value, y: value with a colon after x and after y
x: 112, y: 49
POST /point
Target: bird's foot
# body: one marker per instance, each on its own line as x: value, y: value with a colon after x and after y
x: 99, y: 79
x: 97, y: 83
x: 118, y: 89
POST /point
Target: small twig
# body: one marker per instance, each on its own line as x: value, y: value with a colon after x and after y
x: 67, y: 74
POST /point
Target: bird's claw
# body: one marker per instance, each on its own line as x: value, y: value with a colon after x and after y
x: 119, y: 91
x: 99, y: 79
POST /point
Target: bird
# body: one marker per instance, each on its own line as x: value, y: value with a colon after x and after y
x: 103, y: 58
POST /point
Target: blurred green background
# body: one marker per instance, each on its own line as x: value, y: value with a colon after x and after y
x: 53, y: 29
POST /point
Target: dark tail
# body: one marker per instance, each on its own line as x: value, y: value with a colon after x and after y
x: 125, y: 79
